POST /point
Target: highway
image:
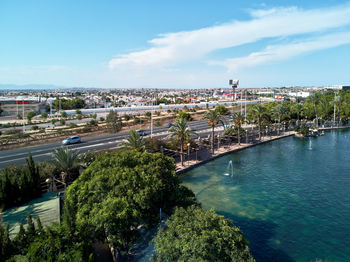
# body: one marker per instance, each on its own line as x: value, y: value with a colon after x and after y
x: 110, y: 141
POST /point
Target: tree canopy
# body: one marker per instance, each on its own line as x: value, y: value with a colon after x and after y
x: 67, y: 104
x: 19, y: 184
x: 194, y: 234
x: 113, y: 122
x: 120, y: 191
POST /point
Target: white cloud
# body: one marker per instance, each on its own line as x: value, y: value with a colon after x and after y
x: 283, y: 52
x: 173, y: 48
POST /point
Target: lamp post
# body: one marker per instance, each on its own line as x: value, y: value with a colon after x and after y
x: 188, y: 151
x: 218, y: 141
x: 233, y: 84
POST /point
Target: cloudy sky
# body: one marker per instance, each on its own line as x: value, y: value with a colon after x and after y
x: 174, y: 44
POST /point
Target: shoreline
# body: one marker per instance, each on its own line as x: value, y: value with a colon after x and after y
x: 222, y: 151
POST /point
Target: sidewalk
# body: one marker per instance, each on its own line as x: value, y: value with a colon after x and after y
x: 205, y: 156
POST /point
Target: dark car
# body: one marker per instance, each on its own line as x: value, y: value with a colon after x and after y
x: 141, y: 132
x: 169, y: 125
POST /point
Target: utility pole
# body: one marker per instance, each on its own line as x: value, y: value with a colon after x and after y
x: 245, y: 107
x: 241, y: 103
x: 17, y: 106
x: 24, y: 125
x: 50, y: 109
x: 334, y: 109
x: 152, y: 122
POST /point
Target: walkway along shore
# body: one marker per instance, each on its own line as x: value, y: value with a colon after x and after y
x: 224, y: 150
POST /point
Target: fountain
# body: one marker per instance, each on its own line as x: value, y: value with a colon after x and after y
x: 228, y: 168
x: 310, y: 144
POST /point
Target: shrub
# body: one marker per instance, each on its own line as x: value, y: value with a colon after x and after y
x: 92, y: 122
x: 184, y: 115
x: 72, y: 125
x: 127, y: 117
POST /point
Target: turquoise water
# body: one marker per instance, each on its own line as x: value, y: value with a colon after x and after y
x: 290, y: 197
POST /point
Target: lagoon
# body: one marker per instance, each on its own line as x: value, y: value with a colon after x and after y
x: 290, y: 197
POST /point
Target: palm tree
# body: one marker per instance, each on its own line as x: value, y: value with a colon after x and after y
x: 181, y: 131
x: 134, y: 141
x: 238, y: 119
x: 315, y: 100
x: 338, y: 100
x: 213, y: 118
x: 279, y: 111
x: 298, y: 109
x: 65, y: 161
x: 325, y: 107
x: 259, y: 113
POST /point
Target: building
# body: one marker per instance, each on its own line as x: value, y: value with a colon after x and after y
x: 13, y: 106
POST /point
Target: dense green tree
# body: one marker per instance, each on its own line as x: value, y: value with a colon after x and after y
x: 54, y: 121
x: 193, y: 234
x: 67, y: 104
x: 64, y: 114
x: 113, y: 122
x: 221, y: 110
x: 31, y: 232
x: 53, y: 244
x: 30, y: 115
x: 39, y: 226
x: 121, y: 190
x: 19, y: 184
x: 184, y: 115
x: 181, y: 131
x: 44, y: 115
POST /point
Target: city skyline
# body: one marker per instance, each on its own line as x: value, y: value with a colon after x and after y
x: 200, y: 44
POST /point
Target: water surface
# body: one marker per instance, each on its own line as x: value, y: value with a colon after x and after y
x: 291, y: 197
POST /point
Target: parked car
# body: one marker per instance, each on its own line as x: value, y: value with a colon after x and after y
x: 141, y: 132
x: 71, y: 140
x: 169, y: 125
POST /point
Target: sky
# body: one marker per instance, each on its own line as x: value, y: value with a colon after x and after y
x: 174, y: 44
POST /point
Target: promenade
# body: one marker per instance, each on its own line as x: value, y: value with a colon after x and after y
x: 203, y: 156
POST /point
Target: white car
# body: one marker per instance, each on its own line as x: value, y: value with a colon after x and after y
x: 71, y: 140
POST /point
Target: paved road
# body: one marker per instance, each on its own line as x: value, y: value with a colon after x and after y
x: 111, y: 141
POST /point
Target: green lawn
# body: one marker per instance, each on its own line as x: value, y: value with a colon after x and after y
x: 46, y: 207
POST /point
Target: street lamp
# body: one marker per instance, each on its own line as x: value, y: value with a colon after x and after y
x: 188, y: 151
x: 234, y: 85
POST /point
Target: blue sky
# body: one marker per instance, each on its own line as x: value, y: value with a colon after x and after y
x: 174, y: 44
